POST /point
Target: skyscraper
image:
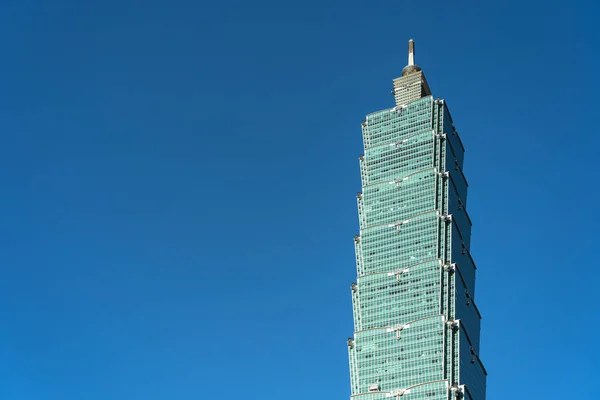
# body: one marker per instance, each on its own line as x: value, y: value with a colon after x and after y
x: 415, y: 319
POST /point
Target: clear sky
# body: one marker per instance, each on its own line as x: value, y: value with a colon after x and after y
x: 178, y: 187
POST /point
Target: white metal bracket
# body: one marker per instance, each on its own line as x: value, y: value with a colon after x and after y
x: 397, y: 393
x: 397, y: 328
x: 449, y: 267
x: 398, y: 272
x: 398, y: 224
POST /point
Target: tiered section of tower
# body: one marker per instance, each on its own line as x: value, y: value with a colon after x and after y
x: 415, y: 320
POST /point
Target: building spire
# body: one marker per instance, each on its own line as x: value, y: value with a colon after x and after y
x: 411, y: 52
x: 411, y: 68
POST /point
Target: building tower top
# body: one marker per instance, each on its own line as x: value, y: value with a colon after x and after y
x: 411, y: 86
x: 411, y: 68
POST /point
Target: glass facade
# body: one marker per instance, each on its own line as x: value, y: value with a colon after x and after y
x: 415, y: 319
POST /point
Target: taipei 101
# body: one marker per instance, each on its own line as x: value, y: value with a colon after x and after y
x: 416, y: 323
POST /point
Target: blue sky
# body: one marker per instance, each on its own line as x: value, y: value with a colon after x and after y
x: 179, y: 185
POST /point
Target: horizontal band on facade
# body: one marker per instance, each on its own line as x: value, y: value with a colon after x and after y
x: 403, y: 178
x: 408, y: 266
x: 408, y: 323
x: 407, y: 138
x: 405, y: 221
x: 407, y: 388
